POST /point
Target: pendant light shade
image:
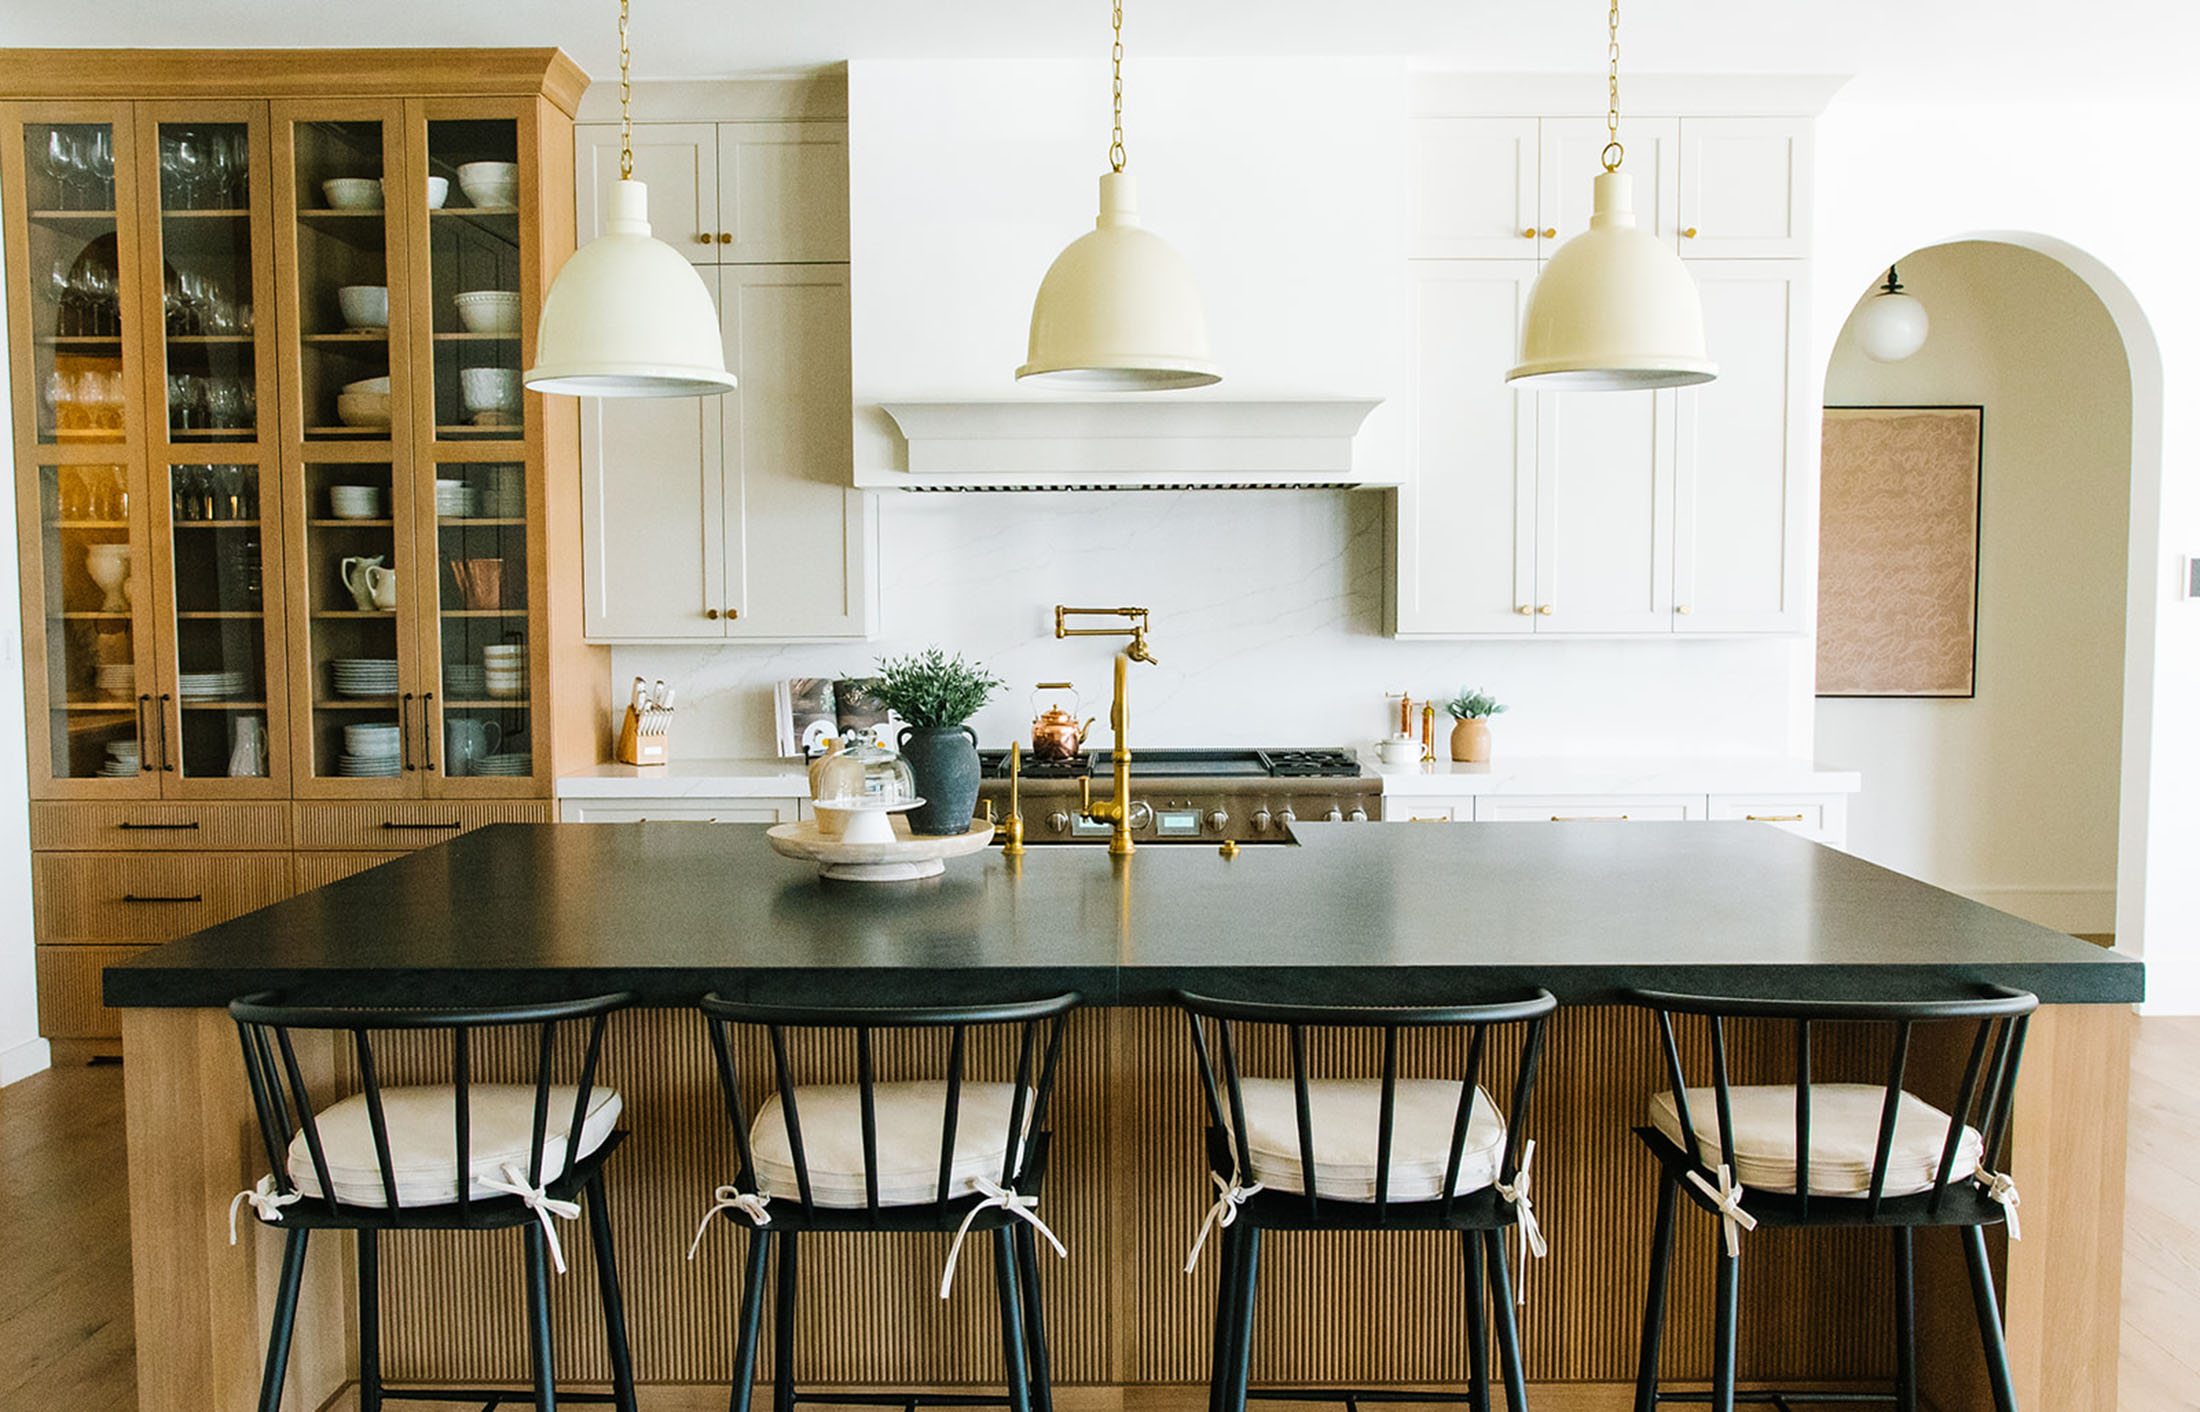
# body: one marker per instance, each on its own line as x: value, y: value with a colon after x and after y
x: 1118, y: 310
x: 1615, y: 309
x: 628, y: 317
x: 1892, y: 325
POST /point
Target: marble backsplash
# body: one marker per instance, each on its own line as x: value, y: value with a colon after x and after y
x: 1267, y: 623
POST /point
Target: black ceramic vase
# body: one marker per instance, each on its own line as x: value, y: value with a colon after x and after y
x: 944, y: 760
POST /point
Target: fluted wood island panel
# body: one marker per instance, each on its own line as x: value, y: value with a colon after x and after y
x: 1381, y: 915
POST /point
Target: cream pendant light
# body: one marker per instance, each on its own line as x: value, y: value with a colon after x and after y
x: 1615, y: 310
x: 628, y: 316
x: 1118, y: 310
x: 1893, y: 325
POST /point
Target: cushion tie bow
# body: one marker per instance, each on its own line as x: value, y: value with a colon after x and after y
x: 538, y: 1200
x: 1015, y: 1203
x: 1727, y: 1200
x: 1531, y: 1232
x: 732, y: 1198
x: 2000, y: 1188
x: 1223, y: 1213
x: 266, y: 1204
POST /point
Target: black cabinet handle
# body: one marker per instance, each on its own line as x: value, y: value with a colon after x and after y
x: 389, y: 824
x: 133, y: 897
x: 427, y: 731
x: 167, y: 761
x: 156, y: 828
x: 145, y: 735
x: 404, y: 728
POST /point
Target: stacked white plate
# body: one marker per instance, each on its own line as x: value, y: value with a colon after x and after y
x: 367, y: 767
x: 512, y: 762
x: 121, y: 761
x: 456, y: 500
x: 355, y: 502
x: 211, y: 686
x: 117, y: 679
x: 465, y: 681
x: 365, y: 676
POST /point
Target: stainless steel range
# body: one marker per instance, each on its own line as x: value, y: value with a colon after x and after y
x: 1189, y: 796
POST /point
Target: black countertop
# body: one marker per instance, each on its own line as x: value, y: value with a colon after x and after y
x: 1354, y: 913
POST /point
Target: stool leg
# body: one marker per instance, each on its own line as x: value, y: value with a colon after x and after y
x: 1725, y: 1312
x: 1035, y: 1319
x: 1905, y: 1320
x: 1989, y: 1319
x: 752, y: 1321
x: 1653, y: 1305
x: 614, y: 1304
x: 370, y: 1322
x: 783, y: 1327
x: 1247, y: 1280
x: 1508, y: 1328
x: 286, y: 1318
x: 1218, y: 1384
x: 538, y: 1317
x: 1478, y: 1321
x: 1012, y: 1321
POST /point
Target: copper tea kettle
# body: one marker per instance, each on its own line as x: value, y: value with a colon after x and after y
x: 1056, y: 734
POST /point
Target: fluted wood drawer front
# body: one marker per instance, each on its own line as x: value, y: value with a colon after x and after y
x: 149, y: 897
x: 382, y: 828
x: 194, y: 827
x: 320, y: 869
x: 68, y: 991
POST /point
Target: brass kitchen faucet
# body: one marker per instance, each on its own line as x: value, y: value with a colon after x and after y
x: 1116, y: 811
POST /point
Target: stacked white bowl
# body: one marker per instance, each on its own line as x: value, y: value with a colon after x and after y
x: 456, y: 500
x: 353, y: 193
x: 365, y: 403
x: 504, y: 668
x: 122, y: 760
x: 370, y: 751
x: 116, y: 679
x: 355, y: 502
x: 490, y: 396
x: 364, y: 306
x: 494, y: 185
x: 488, y: 311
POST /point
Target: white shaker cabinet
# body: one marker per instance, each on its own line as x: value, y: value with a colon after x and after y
x: 1604, y: 511
x: 1572, y: 156
x: 678, y: 162
x: 1745, y: 188
x: 1475, y: 189
x: 734, y: 193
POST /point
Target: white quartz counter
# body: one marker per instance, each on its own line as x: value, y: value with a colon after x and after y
x: 690, y: 779
x: 1587, y: 774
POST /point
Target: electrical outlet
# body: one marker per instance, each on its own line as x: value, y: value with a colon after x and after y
x: 2191, y: 578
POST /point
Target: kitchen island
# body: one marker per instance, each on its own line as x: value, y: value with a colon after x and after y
x: 1349, y: 914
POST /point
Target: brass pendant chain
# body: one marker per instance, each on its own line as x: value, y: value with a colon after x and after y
x: 626, y: 100
x: 1614, y: 154
x: 1116, y: 155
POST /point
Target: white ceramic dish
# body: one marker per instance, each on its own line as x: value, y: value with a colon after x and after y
x: 488, y: 389
x: 900, y: 857
x: 439, y: 191
x: 363, y: 409
x: 489, y: 311
x: 364, y: 306
x: 492, y: 185
x: 381, y: 385
x: 353, y: 193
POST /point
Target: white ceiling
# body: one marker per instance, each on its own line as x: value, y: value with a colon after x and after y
x: 1928, y: 48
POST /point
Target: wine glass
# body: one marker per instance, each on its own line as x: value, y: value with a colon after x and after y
x: 100, y: 163
x: 192, y: 162
x: 61, y: 290
x: 61, y: 163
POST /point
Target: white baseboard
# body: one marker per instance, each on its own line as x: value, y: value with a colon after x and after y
x: 20, y: 1061
x: 2088, y: 910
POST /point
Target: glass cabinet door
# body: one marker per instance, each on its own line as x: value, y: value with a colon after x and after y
x: 474, y: 273
x: 79, y: 263
x: 482, y: 672
x: 342, y: 289
x: 361, y: 720
x: 101, y: 718
x: 212, y: 289
x: 221, y: 703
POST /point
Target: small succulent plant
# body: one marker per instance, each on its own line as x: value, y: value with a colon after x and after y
x: 1473, y: 705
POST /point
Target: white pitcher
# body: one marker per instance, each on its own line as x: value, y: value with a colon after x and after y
x: 465, y: 741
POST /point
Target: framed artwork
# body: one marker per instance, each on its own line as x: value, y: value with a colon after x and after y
x: 1898, y: 532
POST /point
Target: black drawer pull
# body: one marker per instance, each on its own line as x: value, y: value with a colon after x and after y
x: 155, y: 828
x: 388, y: 825
x: 133, y: 897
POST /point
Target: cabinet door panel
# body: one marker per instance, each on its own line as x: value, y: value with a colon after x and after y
x: 1604, y: 512
x: 679, y: 164
x: 1573, y: 155
x: 783, y: 192
x: 794, y: 527
x: 1741, y: 533
x: 653, y: 504
x: 1745, y: 187
x: 1466, y: 521
x: 1474, y: 189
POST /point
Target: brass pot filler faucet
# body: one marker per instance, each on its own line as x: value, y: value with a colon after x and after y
x: 1116, y: 811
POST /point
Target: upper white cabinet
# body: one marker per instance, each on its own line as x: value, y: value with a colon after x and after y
x: 1573, y: 155
x: 1744, y: 187
x: 1475, y: 189
x: 734, y: 193
x: 1604, y: 512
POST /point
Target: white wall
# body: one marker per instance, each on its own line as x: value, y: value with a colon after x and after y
x: 2087, y: 184
x: 22, y: 1052
x: 2011, y: 797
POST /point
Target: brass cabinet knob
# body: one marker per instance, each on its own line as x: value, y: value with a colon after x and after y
x: 732, y: 613
x: 725, y: 237
x: 1684, y: 608
x: 702, y: 238
x: 1550, y: 232
x: 711, y: 613
x: 1547, y: 609
x: 1528, y: 234
x: 1689, y: 234
x: 1525, y: 611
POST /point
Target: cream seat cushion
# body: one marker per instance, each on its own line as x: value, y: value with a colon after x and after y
x: 424, y: 1145
x: 1844, y: 1137
x: 910, y: 1120
x: 1347, y: 1118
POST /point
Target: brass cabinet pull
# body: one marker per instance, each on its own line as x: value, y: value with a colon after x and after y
x: 1774, y: 818
x: 1550, y: 233
x: 1684, y: 609
x: 133, y: 897
x: 711, y: 613
x: 393, y: 824
x: 702, y: 237
x: 1525, y: 611
x: 732, y: 613
x: 1689, y: 234
x: 725, y: 237
x: 1528, y: 234
x: 1547, y: 609
x: 1588, y: 818
x: 155, y: 828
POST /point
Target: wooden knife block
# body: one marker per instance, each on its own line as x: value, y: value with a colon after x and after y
x: 637, y: 747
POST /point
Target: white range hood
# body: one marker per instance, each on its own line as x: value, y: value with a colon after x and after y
x: 1280, y: 181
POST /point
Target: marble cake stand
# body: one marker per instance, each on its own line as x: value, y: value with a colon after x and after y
x: 875, y: 846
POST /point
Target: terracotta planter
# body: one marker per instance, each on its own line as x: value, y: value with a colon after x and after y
x: 1470, y: 740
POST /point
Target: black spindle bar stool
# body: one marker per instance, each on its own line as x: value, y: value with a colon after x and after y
x: 463, y: 1155
x: 932, y: 1154
x: 1392, y: 1154
x: 1813, y: 1153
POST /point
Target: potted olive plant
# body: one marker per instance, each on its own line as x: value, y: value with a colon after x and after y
x: 1470, y: 737
x: 934, y: 695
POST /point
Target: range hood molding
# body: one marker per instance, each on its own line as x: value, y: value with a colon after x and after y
x: 1115, y: 444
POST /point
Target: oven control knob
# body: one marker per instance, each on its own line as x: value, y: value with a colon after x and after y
x: 1358, y: 816
x: 1218, y: 819
x: 1058, y: 821
x: 1261, y: 820
x: 1288, y: 817
x: 1141, y: 814
x: 1335, y: 815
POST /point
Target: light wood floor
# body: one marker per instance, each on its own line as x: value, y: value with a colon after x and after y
x: 65, y: 1336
